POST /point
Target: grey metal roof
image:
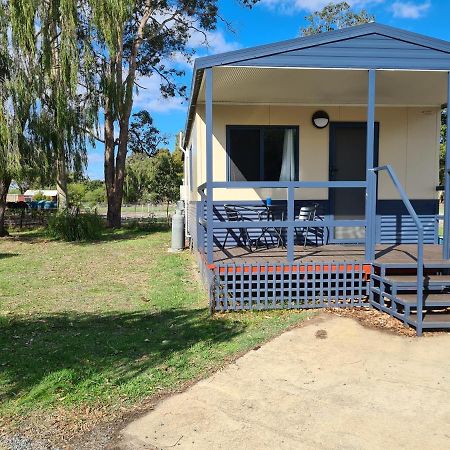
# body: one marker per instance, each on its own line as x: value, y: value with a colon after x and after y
x: 364, y: 46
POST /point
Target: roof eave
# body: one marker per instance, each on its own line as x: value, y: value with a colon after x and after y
x: 240, y: 56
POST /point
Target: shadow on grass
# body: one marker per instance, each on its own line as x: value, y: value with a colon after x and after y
x: 8, y: 255
x: 128, y: 232
x: 91, y: 356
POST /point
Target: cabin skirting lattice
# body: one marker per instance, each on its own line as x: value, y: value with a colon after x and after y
x: 265, y: 286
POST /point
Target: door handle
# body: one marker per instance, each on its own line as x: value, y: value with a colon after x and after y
x: 333, y: 170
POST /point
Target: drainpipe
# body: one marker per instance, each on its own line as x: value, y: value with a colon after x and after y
x: 186, y: 181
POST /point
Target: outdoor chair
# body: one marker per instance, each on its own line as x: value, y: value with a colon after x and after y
x: 308, y: 214
x: 235, y: 213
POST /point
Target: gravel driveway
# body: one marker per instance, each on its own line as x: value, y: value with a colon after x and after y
x: 331, y: 384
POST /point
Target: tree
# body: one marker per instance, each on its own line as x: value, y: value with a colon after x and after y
x: 17, y: 115
x: 139, y: 172
x: 335, y: 16
x: 133, y: 39
x: 166, y: 179
x: 48, y: 109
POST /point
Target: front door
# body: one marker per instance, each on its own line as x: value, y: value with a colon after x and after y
x: 348, y: 163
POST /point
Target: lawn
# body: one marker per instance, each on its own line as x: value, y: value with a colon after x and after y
x: 92, y: 331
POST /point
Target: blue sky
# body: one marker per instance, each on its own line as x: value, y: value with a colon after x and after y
x: 270, y: 21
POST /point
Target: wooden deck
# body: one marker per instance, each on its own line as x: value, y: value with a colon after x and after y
x: 404, y: 253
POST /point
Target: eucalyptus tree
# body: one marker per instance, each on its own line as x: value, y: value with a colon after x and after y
x: 132, y: 39
x: 335, y: 16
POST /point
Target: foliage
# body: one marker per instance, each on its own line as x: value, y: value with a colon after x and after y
x: 155, y: 179
x: 166, y: 179
x: 139, y: 172
x: 77, y: 192
x: 94, y: 196
x: 87, y: 191
x: 144, y: 137
x: 45, y: 114
x: 335, y: 16
x: 79, y: 338
x: 71, y: 226
x: 40, y: 196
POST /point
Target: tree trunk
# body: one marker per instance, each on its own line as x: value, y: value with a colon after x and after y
x: 61, y: 181
x: 61, y: 172
x: 113, y: 215
x: 115, y: 167
x: 4, y: 188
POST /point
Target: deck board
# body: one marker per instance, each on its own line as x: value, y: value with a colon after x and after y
x: 402, y: 253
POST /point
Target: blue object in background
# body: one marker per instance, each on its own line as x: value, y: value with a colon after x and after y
x: 268, y: 201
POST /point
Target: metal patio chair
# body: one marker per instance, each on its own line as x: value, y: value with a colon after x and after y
x: 234, y: 213
x: 308, y: 214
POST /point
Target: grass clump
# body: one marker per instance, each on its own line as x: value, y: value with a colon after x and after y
x: 75, y: 226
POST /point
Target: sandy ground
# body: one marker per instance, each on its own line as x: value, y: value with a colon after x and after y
x: 331, y: 384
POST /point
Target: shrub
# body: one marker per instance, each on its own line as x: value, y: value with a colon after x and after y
x: 75, y: 226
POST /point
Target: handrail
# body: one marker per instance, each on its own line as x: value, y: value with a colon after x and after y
x: 283, y: 184
x: 419, y: 227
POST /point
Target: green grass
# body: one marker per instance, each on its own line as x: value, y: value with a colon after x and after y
x: 109, y: 323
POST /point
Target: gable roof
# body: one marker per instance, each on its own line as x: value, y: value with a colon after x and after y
x: 364, y: 46
x: 234, y: 57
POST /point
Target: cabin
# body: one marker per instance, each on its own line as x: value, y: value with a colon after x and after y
x: 312, y: 173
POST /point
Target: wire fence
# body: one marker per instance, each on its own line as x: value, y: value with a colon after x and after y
x: 142, y: 212
x: 136, y: 210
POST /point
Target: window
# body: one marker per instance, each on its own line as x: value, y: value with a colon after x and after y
x: 262, y: 153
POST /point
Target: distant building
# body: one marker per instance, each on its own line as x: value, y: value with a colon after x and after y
x: 50, y: 193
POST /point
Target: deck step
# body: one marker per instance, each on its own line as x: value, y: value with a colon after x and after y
x: 434, y: 320
x: 437, y: 264
x: 430, y: 300
x: 411, y: 280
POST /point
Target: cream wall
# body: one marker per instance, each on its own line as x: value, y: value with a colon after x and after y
x: 409, y: 141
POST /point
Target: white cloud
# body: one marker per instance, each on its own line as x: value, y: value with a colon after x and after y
x: 410, y: 10
x: 213, y: 42
x: 94, y: 158
x: 294, y: 6
x: 149, y: 97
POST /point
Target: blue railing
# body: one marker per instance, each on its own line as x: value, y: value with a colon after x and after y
x: 419, y: 227
x: 290, y: 224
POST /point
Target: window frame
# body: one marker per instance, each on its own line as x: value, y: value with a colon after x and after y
x: 261, y: 128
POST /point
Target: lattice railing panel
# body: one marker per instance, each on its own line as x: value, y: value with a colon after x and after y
x: 283, y: 286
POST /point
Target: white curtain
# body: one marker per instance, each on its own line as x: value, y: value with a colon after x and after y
x: 288, y: 163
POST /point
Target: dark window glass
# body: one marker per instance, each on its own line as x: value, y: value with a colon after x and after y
x: 256, y: 153
x: 245, y: 154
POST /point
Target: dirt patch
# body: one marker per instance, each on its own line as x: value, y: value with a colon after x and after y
x: 321, y: 334
x: 375, y: 319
